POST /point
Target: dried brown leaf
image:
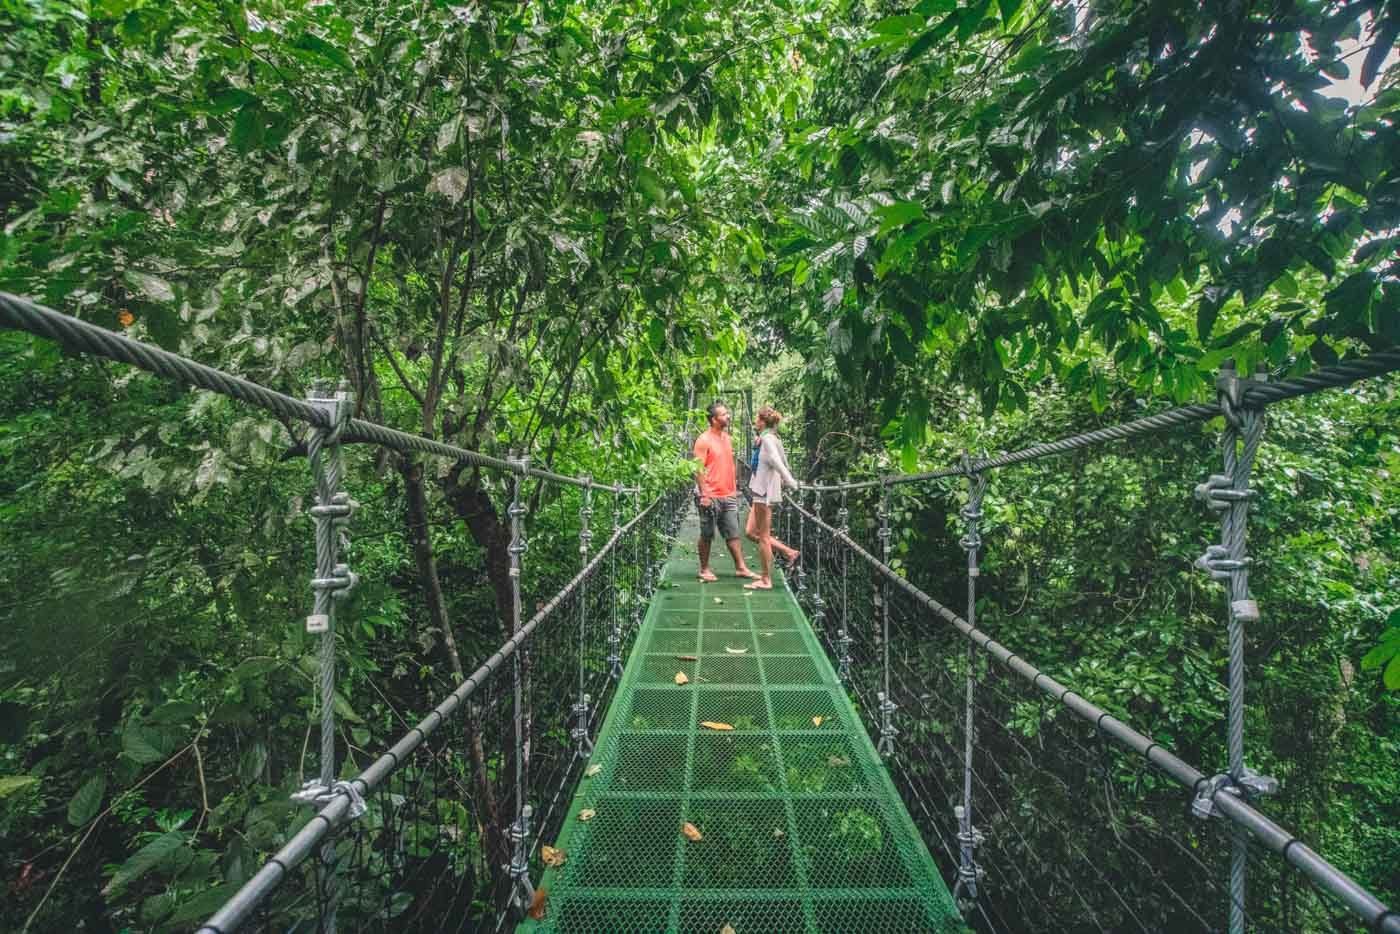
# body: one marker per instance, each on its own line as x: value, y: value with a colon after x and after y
x: 837, y: 762
x: 727, y: 929
x: 817, y: 721
x: 712, y: 725
x: 692, y: 832
x: 681, y: 678
x: 687, y: 658
x: 552, y: 857
x: 536, y: 909
x: 733, y: 651
x: 587, y: 814
x: 592, y: 770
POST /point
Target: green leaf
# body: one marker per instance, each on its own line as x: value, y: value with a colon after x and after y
x: 9, y: 784
x: 1008, y: 8
x: 152, y: 287
x: 897, y: 215
x: 247, y: 129
x: 145, y: 745
x: 931, y: 37
x: 1286, y: 286
x: 322, y: 50
x: 88, y: 801
x: 901, y: 25
x: 971, y: 19
x: 342, y: 707
x: 144, y: 860
x: 202, y: 905
x: 1206, y: 312
x: 1392, y: 674
x: 650, y: 184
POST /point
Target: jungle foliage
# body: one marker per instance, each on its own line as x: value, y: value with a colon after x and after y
x: 545, y: 226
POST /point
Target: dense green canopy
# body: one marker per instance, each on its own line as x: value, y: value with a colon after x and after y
x: 553, y: 226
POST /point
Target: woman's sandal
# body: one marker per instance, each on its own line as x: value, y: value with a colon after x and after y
x: 757, y: 586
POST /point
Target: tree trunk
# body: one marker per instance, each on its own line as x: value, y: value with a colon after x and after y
x: 416, y: 517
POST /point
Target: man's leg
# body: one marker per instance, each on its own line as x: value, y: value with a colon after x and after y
x: 727, y: 516
x: 707, y: 535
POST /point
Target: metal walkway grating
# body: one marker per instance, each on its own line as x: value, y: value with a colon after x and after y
x: 801, y: 829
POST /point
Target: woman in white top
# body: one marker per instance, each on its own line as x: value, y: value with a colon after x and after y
x: 767, y: 488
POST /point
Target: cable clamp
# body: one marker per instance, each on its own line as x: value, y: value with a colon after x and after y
x: 887, y: 728
x: 341, y: 582
x: 583, y: 743
x: 1218, y: 492
x: 316, y: 794
x: 1249, y: 785
x: 337, y: 404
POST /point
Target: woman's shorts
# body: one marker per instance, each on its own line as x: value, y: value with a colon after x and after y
x: 775, y: 500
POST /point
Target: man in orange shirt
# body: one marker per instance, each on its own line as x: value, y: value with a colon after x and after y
x: 719, y: 498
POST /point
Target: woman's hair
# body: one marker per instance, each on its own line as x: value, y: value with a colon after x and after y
x: 769, y: 416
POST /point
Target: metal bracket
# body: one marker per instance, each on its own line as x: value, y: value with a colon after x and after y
x: 583, y: 745
x: 1249, y: 785
x: 316, y: 794
x: 887, y: 728
x: 519, y: 866
x: 969, y: 874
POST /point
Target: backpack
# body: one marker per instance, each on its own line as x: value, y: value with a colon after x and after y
x: 753, y: 459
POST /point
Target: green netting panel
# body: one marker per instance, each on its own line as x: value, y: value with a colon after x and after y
x: 802, y: 830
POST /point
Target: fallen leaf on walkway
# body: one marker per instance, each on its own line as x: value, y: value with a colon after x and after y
x: 817, y: 721
x: 712, y: 725
x: 778, y: 833
x: 692, y: 832
x: 536, y: 910
x: 687, y: 658
x: 728, y: 929
x: 733, y: 651
x: 681, y: 678
x: 592, y: 770
x: 718, y: 600
x: 587, y: 814
x: 837, y: 762
x: 765, y: 634
x: 552, y: 857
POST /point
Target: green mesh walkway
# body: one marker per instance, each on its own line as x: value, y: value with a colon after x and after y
x: 802, y: 829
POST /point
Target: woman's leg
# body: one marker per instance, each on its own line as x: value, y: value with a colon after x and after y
x: 750, y: 526
x: 787, y: 551
x: 765, y: 542
x: 763, y: 517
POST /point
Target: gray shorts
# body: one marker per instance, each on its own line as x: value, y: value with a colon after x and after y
x: 722, y: 512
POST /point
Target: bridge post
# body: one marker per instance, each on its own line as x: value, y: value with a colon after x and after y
x: 801, y: 549
x: 818, y: 604
x: 583, y: 746
x: 637, y: 533
x: 843, y: 636
x: 887, y: 705
x: 1228, y: 493
x: 969, y: 838
x: 615, y: 633
x: 331, y: 584
x: 522, y: 891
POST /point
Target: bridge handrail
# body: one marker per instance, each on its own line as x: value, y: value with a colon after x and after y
x: 24, y: 315
x: 1275, y: 838
x: 333, y: 815
x: 1253, y: 394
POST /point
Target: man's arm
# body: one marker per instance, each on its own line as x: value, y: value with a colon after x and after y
x: 699, y: 451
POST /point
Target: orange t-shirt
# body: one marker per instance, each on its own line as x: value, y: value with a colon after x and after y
x: 716, y: 457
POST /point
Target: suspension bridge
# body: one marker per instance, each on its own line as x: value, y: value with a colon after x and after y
x: 842, y: 754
